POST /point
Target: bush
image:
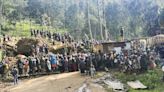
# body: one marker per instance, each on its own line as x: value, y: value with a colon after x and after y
x: 151, y: 79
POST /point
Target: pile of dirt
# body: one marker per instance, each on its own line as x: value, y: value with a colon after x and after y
x: 3, y: 86
x: 26, y: 46
x: 62, y: 49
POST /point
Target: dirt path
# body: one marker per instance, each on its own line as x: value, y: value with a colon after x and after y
x: 66, y: 82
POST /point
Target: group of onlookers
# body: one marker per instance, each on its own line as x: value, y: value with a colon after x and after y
x: 46, y: 64
x: 88, y: 62
x: 52, y: 36
x: 6, y: 38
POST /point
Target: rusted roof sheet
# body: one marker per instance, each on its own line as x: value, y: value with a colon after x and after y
x: 136, y: 85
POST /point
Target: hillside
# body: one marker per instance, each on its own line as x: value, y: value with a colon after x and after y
x: 97, y: 19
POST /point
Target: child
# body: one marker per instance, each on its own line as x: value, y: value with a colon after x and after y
x: 92, y: 71
x: 14, y: 72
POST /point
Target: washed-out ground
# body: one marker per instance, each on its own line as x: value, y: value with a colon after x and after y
x: 66, y: 82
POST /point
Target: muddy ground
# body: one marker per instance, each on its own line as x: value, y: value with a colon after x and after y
x: 66, y: 82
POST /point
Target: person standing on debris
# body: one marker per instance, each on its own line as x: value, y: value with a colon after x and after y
x: 53, y: 61
x: 4, y: 38
x: 37, y: 49
x: 20, y: 66
x: 48, y: 63
x: 35, y: 69
x: 32, y: 32
x: 31, y: 67
x: 74, y: 64
x: 144, y: 63
x: 14, y: 72
x: 66, y: 62
x: 88, y: 65
x: 26, y: 67
x: 38, y: 65
x: 62, y: 65
x: 43, y: 64
x: 35, y: 34
x: 46, y: 48
x: 92, y: 71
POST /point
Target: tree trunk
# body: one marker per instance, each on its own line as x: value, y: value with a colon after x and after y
x: 65, y: 6
x: 105, y: 28
x: 1, y: 16
x: 89, y: 24
x: 100, y: 22
x: 78, y: 14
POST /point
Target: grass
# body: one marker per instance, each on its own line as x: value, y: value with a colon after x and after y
x: 22, y: 28
x: 152, y: 79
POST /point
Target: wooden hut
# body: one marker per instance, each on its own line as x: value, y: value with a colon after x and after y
x: 109, y: 46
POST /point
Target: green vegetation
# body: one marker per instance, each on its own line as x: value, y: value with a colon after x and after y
x: 22, y: 28
x: 98, y: 18
x: 152, y: 79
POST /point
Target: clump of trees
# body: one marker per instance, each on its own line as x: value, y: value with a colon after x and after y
x: 97, y: 19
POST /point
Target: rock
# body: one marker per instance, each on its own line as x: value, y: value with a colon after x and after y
x: 83, y: 88
x: 25, y: 45
x: 110, y: 82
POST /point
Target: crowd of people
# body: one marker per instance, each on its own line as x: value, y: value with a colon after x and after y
x: 6, y: 38
x: 45, y: 62
x: 52, y: 36
x: 132, y: 61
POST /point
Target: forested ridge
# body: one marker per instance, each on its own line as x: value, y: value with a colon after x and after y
x: 97, y: 19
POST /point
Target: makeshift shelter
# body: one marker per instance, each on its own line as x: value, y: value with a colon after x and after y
x: 109, y: 46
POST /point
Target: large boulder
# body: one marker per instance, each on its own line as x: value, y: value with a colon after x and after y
x: 26, y: 46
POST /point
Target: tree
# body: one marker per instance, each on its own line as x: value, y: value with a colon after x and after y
x: 161, y: 18
x: 89, y: 24
x: 100, y: 19
x: 96, y: 18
